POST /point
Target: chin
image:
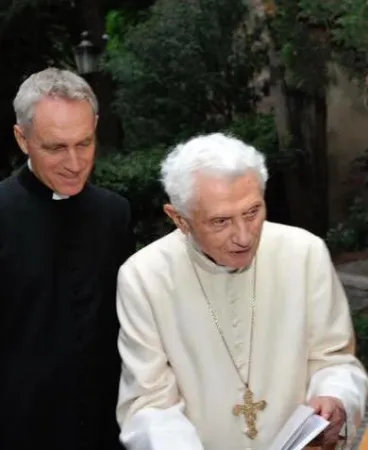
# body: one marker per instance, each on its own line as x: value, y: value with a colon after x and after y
x: 240, y: 263
x: 70, y: 190
x: 239, y: 266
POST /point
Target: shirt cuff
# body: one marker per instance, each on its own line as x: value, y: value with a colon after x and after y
x: 160, y: 429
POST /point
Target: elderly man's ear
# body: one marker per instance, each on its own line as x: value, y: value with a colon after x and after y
x: 20, y: 138
x: 177, y: 218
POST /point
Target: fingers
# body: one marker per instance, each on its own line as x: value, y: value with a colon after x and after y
x: 324, y: 406
x: 337, y: 420
x: 332, y: 410
x: 327, y: 410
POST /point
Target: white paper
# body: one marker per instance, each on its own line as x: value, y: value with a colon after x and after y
x: 300, y: 429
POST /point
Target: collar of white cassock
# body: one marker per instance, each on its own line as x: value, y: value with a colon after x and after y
x: 55, y: 195
x: 196, y: 254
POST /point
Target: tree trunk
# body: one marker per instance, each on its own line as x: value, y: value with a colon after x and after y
x: 301, y: 122
x: 284, y: 132
x: 308, y: 120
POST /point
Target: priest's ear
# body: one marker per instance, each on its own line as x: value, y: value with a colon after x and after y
x: 21, y: 139
x: 177, y: 218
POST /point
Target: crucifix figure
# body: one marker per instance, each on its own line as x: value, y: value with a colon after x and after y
x: 249, y: 410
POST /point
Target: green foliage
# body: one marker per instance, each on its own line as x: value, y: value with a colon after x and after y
x: 136, y: 177
x: 260, y: 131
x: 118, y: 24
x: 309, y: 34
x: 302, y: 54
x: 351, y: 235
x: 185, y: 69
x: 351, y: 25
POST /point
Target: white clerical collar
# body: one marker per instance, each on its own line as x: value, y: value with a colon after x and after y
x: 55, y: 195
x: 206, y: 263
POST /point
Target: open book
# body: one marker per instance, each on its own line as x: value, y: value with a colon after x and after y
x: 301, y: 428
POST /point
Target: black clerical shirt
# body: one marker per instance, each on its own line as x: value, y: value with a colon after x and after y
x: 59, y: 368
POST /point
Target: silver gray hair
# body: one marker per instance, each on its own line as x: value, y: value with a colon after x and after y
x: 50, y: 82
x: 214, y: 154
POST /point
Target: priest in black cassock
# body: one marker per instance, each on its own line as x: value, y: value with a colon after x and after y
x: 61, y: 243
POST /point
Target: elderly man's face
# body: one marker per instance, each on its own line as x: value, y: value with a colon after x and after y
x: 60, y: 143
x: 226, y: 219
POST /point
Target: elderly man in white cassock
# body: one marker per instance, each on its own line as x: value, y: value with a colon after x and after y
x: 230, y: 310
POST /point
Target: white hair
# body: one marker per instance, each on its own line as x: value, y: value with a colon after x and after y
x: 50, y: 82
x: 214, y: 154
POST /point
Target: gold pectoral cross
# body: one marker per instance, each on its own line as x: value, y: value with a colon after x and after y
x: 249, y: 410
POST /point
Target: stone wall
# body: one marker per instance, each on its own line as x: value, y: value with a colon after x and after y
x: 354, y: 277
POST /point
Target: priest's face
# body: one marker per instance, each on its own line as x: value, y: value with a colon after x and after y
x: 60, y: 143
x: 226, y: 218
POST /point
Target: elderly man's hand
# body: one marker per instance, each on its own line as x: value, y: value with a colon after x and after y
x: 333, y: 410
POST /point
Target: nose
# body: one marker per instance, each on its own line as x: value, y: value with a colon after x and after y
x: 73, y: 164
x: 241, y: 234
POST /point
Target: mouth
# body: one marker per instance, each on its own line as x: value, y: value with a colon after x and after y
x: 70, y: 179
x: 240, y: 252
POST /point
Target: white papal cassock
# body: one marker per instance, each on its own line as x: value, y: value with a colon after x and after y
x: 178, y: 385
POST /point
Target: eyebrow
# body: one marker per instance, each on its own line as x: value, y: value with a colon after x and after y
x: 86, y: 140
x: 220, y: 216
x: 53, y: 144
x: 256, y: 205
x: 228, y: 216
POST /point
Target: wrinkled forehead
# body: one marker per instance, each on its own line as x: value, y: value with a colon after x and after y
x: 213, y: 193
